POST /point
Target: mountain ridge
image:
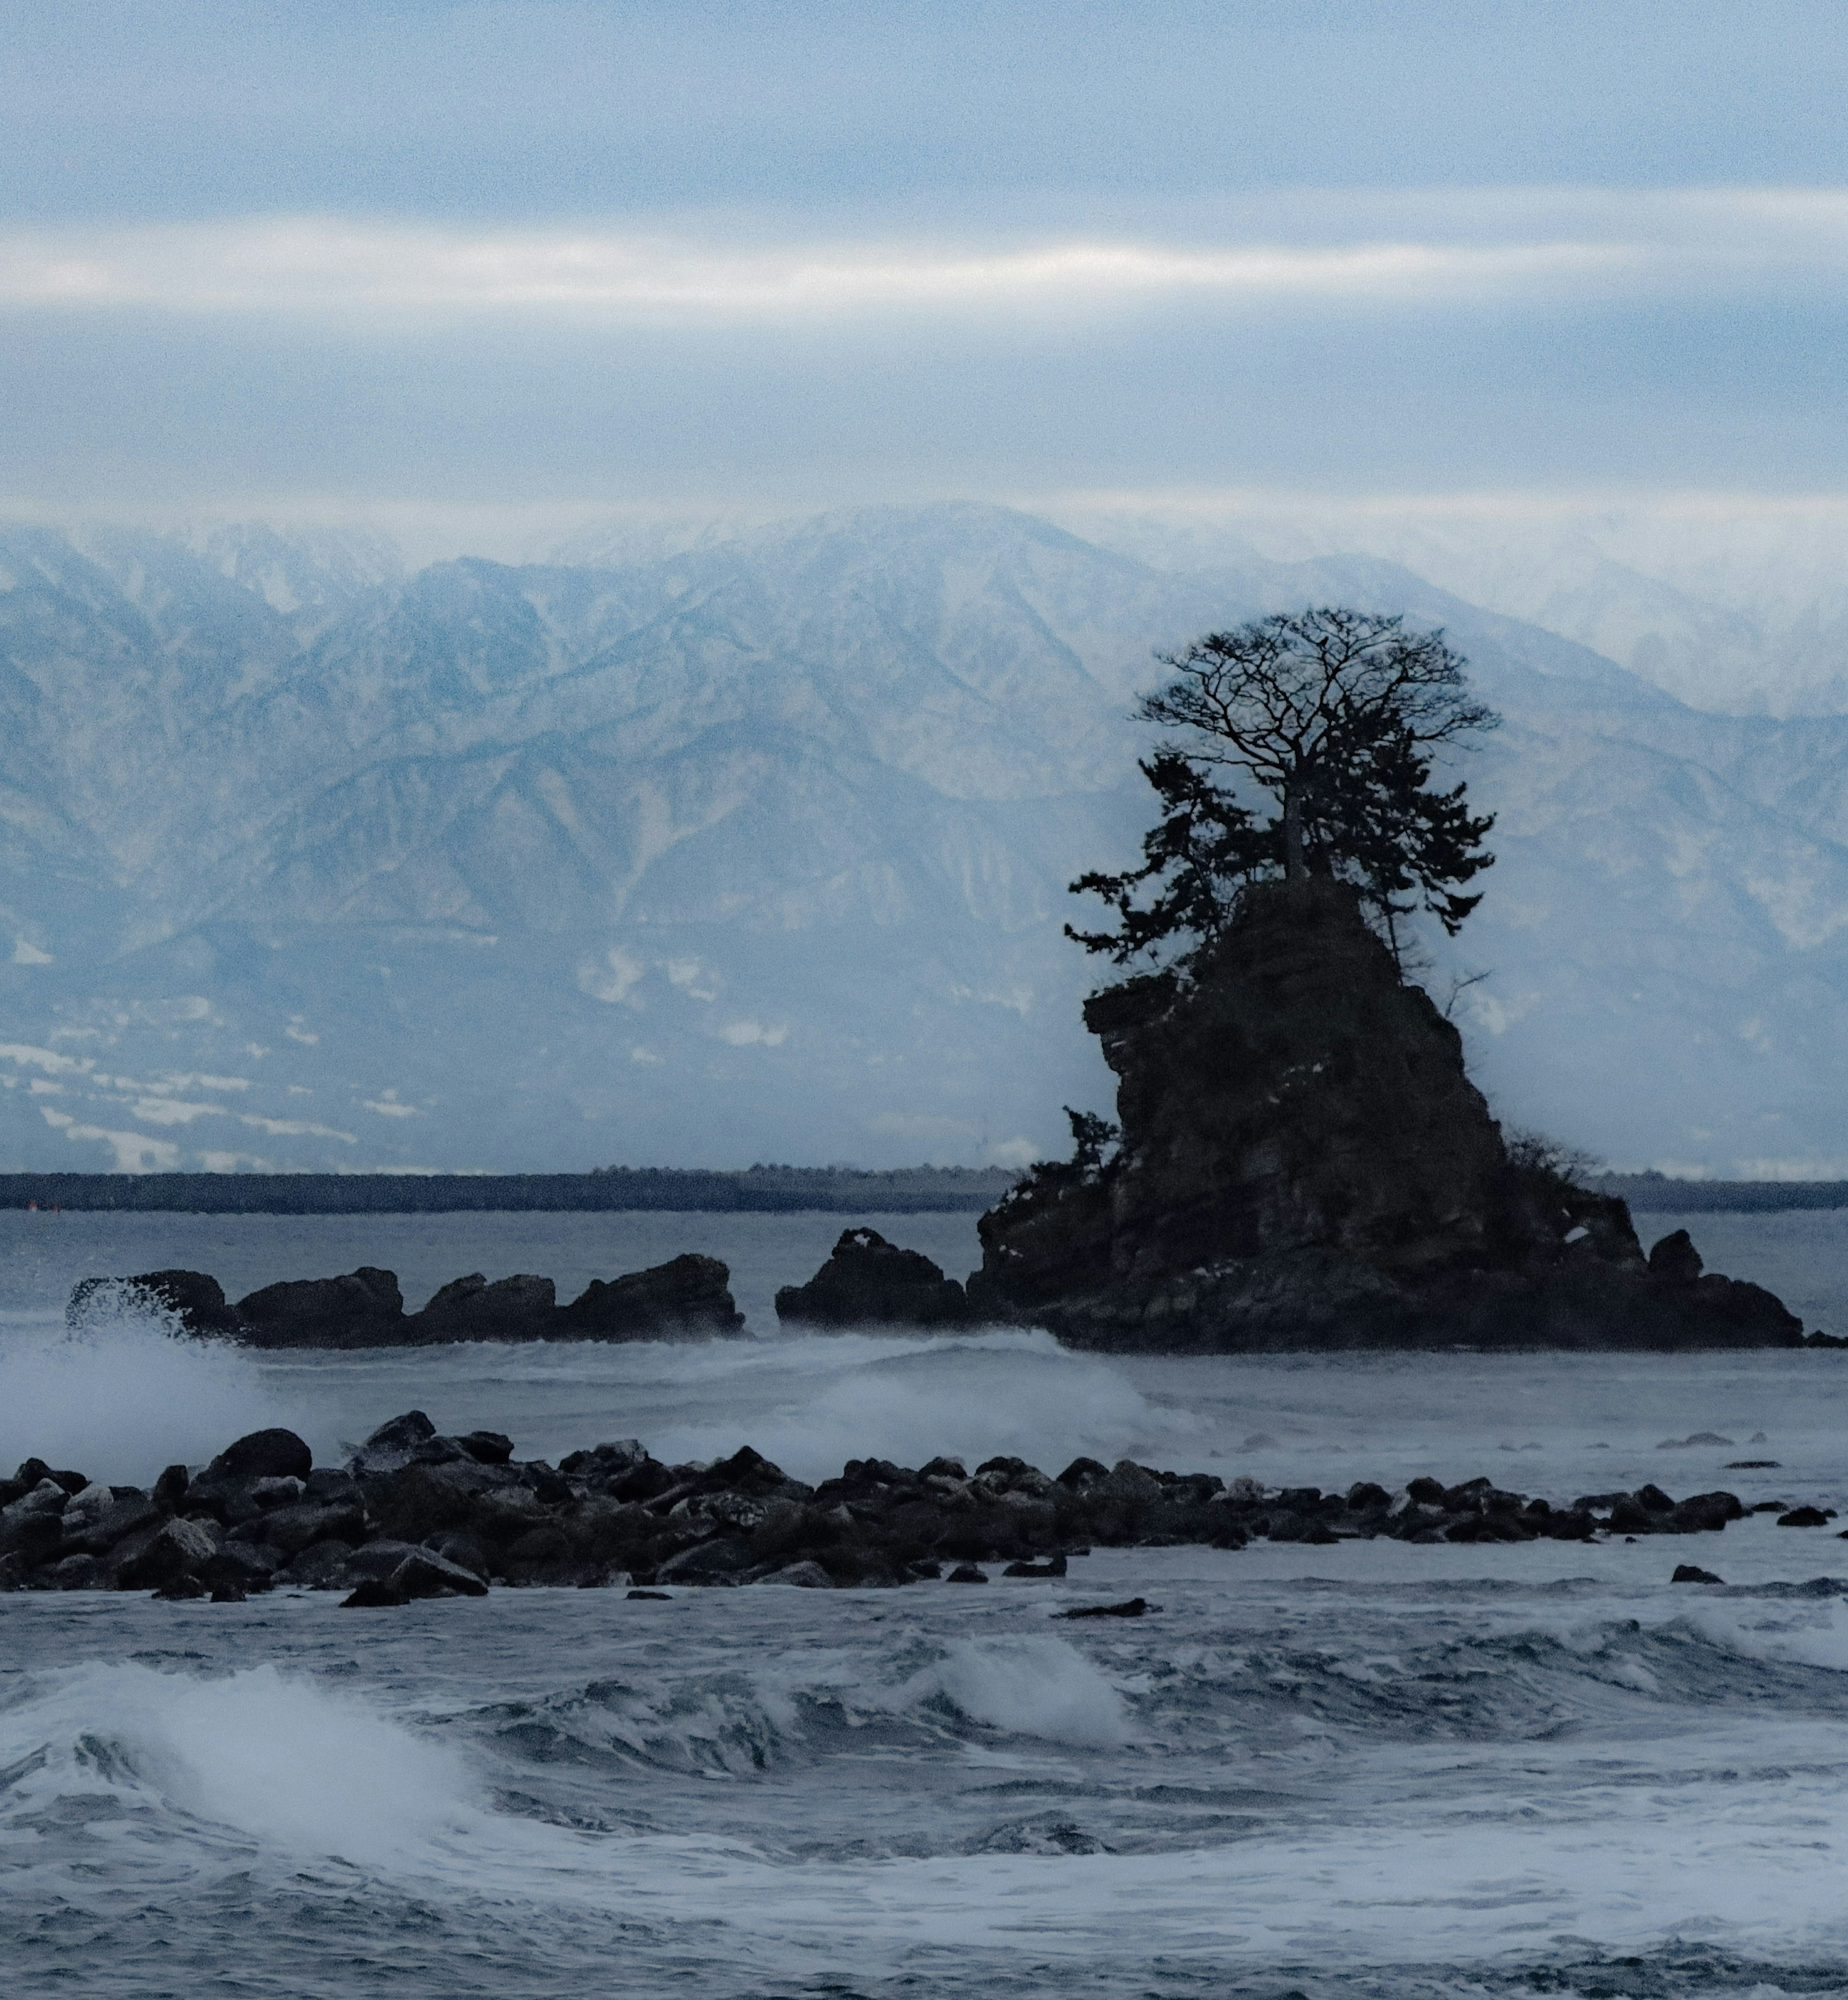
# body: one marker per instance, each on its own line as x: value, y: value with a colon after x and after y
x: 760, y: 847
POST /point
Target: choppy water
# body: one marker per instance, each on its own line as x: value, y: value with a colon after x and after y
x: 1374, y: 1768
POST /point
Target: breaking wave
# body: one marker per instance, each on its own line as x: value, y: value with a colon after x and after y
x: 130, y: 1393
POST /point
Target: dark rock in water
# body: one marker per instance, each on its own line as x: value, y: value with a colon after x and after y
x: 178, y: 1588
x: 487, y: 1447
x: 687, y: 1299
x: 1304, y: 1163
x: 1055, y: 1567
x: 175, y: 1550
x: 966, y: 1573
x: 656, y: 1596
x: 374, y: 1594
x: 801, y: 1576
x: 170, y: 1488
x: 1688, y: 1573
x: 517, y: 1308
x: 195, y: 1300
x: 426, y: 1574
x: 270, y: 1454
x: 1675, y: 1261
x: 1806, y: 1517
x: 869, y: 1282
x: 239, y: 1566
x: 364, y: 1309
x: 1134, y: 1607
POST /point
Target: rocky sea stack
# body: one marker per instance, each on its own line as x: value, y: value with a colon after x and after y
x: 1304, y: 1163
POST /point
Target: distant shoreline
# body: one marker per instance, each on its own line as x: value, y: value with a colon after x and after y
x: 1657, y: 1194
x: 757, y: 1190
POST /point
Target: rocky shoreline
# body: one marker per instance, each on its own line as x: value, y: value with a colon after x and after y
x: 412, y: 1514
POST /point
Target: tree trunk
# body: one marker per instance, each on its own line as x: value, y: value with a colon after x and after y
x: 1296, y: 867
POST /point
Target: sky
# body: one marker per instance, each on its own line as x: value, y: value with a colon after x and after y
x: 510, y: 260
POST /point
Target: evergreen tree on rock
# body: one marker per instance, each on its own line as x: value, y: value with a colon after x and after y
x: 1332, y: 718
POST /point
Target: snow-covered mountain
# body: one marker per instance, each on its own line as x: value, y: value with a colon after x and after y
x: 757, y: 850
x: 1730, y: 606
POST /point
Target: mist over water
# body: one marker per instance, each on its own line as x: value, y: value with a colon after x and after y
x: 1375, y: 1768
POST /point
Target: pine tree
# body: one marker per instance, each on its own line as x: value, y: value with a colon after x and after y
x: 1333, y: 716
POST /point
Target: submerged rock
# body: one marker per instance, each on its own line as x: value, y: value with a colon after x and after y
x: 1304, y: 1163
x: 869, y: 1282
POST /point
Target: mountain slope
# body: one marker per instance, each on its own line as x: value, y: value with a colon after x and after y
x: 759, y: 850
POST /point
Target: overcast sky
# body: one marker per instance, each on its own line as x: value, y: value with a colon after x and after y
x: 531, y: 255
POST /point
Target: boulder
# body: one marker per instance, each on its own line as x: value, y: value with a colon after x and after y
x: 395, y: 1443
x: 176, y: 1549
x: 868, y: 1281
x: 196, y: 1301
x: 100, y: 1516
x: 365, y: 1308
x: 425, y: 1573
x: 374, y: 1594
x: 800, y: 1576
x: 522, y: 1307
x: 687, y: 1299
x: 1304, y: 1163
x: 269, y: 1454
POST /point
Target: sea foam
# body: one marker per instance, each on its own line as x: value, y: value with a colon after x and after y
x: 130, y: 1393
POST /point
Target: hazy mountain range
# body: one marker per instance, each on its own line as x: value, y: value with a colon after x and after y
x: 757, y: 851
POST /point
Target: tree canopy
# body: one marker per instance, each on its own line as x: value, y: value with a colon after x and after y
x: 1332, y: 718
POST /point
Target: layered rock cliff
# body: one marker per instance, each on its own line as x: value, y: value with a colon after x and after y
x: 1305, y: 1163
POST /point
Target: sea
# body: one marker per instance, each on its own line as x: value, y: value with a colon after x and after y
x: 1375, y: 1769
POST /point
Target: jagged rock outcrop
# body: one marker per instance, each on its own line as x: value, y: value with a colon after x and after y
x: 1305, y: 1163
x: 522, y: 1307
x: 365, y: 1308
x: 416, y: 1514
x: 869, y: 1282
x: 687, y: 1298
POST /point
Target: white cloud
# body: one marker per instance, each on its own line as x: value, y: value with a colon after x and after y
x: 134, y: 1154
x: 296, y: 1032
x: 614, y: 981
x: 646, y: 1056
x: 48, y: 1059
x: 387, y: 1105
x: 1464, y: 244
x: 322, y: 263
x: 1017, y: 1153
x: 27, y: 954
x: 685, y: 973
x: 924, y: 1126
x: 173, y: 1111
x: 749, y: 1034
x: 293, y: 1128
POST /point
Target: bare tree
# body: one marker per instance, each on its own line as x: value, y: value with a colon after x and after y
x: 1302, y: 704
